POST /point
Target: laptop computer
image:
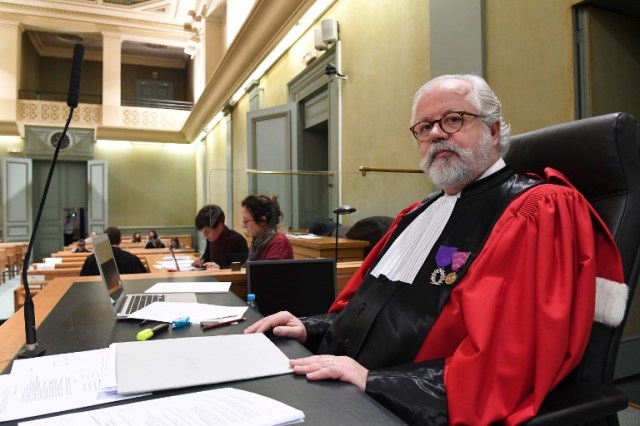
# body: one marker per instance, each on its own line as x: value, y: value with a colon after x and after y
x: 175, y: 261
x: 124, y: 304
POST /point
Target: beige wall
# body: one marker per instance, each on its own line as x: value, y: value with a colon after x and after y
x: 529, y: 60
x: 150, y: 185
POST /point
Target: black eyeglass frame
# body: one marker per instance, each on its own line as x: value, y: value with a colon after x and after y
x: 439, y: 122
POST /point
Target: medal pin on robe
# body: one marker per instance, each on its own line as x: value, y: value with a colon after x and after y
x: 446, y: 256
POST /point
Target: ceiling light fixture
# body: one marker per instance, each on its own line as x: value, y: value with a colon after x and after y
x: 194, y: 26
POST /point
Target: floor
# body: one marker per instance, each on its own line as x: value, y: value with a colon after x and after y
x: 628, y: 417
x: 6, y: 297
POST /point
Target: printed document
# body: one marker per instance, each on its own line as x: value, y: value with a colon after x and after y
x: 53, y: 383
x: 226, y: 406
x: 190, y: 287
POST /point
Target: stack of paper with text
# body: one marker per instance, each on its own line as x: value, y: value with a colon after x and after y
x: 213, y: 407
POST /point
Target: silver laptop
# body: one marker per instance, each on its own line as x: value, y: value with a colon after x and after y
x: 124, y: 304
x: 174, y: 259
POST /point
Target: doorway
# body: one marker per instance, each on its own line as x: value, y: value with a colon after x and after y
x: 294, y: 147
x: 68, y: 188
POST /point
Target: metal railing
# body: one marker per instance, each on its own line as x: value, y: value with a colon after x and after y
x: 366, y: 169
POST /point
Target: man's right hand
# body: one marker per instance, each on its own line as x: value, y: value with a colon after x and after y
x: 197, y: 263
x: 283, y: 324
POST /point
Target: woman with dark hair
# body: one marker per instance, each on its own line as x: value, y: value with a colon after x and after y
x: 136, y: 238
x: 260, y: 217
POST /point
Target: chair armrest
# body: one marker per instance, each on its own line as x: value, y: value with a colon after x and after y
x: 572, y: 403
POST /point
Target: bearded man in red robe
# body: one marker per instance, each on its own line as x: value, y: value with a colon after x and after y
x: 481, y: 297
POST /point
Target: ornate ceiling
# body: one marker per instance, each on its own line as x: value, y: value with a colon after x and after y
x: 152, y: 30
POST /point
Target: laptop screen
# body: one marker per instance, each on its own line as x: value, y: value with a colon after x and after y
x: 107, y: 265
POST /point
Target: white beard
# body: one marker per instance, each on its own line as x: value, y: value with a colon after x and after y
x: 461, y: 168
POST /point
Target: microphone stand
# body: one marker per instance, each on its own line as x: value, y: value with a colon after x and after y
x: 31, y: 348
x: 344, y: 209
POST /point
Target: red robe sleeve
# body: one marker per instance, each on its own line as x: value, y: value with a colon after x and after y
x: 519, y: 321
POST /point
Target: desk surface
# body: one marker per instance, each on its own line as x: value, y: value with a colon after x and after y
x: 74, y: 317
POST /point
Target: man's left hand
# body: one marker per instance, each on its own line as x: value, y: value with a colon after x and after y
x: 322, y: 367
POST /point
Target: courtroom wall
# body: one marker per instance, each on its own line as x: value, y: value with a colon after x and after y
x: 150, y: 185
x: 529, y: 61
x: 385, y: 54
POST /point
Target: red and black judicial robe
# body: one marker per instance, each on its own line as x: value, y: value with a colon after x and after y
x: 488, y: 347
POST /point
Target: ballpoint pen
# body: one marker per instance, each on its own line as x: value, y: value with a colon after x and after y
x: 148, y: 333
x: 215, y: 320
x: 215, y: 324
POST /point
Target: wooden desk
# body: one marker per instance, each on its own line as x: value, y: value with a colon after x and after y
x: 348, y: 250
x: 152, y: 259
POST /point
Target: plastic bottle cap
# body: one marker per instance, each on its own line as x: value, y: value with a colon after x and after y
x: 251, y: 297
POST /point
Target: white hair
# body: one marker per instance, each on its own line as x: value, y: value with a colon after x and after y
x: 482, y: 97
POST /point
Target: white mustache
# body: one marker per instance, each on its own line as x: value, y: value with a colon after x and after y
x: 435, y: 149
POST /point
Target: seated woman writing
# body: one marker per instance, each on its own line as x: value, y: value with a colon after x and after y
x: 260, y: 217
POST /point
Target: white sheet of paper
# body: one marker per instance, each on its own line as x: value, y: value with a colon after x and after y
x: 225, y: 406
x: 182, y: 258
x: 45, y: 266
x: 54, y: 383
x: 154, y: 365
x: 166, y: 264
x: 190, y: 287
x: 303, y: 236
x: 169, y: 311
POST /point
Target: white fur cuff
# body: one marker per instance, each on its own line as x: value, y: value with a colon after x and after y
x: 611, y: 301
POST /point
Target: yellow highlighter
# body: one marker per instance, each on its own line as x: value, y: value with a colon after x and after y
x: 148, y: 333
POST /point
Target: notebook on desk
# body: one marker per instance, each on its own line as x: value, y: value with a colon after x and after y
x: 124, y: 304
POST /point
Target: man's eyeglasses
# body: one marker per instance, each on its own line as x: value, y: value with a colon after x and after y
x: 450, y: 123
x: 245, y: 221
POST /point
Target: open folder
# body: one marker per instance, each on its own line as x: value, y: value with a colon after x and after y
x: 154, y: 365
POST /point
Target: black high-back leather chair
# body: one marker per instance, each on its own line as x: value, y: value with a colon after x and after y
x: 601, y: 158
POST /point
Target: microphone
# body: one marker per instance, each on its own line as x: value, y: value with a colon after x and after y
x: 32, y: 349
x: 76, y: 70
x: 344, y: 209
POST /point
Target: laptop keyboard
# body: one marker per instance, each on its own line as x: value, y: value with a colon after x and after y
x: 139, y: 301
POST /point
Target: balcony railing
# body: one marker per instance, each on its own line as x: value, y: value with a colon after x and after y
x: 43, y: 95
x: 157, y: 103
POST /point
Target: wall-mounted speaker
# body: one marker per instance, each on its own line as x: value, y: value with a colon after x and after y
x: 329, y: 29
x: 318, y: 42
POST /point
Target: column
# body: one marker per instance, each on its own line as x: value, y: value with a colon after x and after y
x: 111, y: 78
x: 10, y: 46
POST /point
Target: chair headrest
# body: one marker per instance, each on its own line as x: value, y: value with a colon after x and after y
x: 601, y: 157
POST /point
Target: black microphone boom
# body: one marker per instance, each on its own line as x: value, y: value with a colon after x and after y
x: 74, y: 81
x: 32, y: 349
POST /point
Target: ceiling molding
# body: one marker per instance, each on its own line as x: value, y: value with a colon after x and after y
x: 139, y: 135
x: 262, y: 31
